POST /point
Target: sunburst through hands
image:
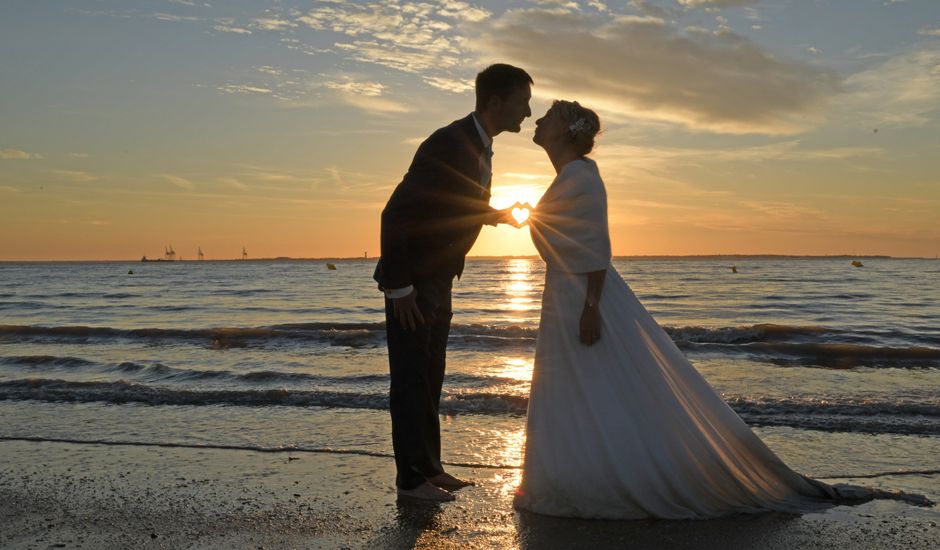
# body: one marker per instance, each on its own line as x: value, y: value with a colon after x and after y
x: 521, y: 212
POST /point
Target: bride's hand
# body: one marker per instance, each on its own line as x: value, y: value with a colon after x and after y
x: 590, y: 325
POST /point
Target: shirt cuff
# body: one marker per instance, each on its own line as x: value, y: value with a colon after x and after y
x: 394, y: 293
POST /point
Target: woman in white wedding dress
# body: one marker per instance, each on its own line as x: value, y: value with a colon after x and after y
x: 620, y: 424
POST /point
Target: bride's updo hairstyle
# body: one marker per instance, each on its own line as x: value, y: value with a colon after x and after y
x: 583, y: 124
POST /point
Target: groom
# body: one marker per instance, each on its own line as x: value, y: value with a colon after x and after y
x: 429, y: 224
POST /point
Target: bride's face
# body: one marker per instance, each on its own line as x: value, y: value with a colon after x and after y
x: 550, y: 128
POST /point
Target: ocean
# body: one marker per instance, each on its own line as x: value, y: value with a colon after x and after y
x: 836, y: 367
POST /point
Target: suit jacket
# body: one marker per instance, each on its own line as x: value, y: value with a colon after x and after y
x: 435, y: 214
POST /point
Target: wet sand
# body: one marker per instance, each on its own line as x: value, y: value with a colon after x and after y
x: 60, y: 495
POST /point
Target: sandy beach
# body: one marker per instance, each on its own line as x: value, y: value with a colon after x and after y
x: 62, y: 495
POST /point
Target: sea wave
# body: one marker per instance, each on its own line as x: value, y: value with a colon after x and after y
x: 336, y: 334
x: 832, y: 355
x: 812, y: 345
x: 763, y: 332
x: 158, y: 372
x: 851, y: 415
x: 45, y: 361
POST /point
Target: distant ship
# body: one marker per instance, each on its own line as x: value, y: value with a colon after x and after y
x: 169, y: 255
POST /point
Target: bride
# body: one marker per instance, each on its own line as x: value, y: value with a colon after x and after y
x: 620, y: 424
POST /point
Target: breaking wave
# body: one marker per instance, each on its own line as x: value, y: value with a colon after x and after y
x: 850, y: 415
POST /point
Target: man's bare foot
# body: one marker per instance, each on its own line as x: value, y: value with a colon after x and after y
x: 449, y: 482
x: 427, y: 491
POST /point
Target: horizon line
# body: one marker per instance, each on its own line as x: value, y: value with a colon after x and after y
x: 481, y: 257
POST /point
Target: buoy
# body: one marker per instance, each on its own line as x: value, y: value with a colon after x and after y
x: 130, y: 271
x: 857, y: 263
x: 734, y: 269
x: 331, y: 267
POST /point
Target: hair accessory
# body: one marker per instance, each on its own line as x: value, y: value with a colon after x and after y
x: 578, y: 125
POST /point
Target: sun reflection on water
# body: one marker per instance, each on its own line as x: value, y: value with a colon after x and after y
x: 521, y: 300
x: 512, y: 444
x: 517, y: 368
x: 519, y: 290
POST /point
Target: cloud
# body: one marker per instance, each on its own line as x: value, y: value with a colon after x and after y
x: 414, y: 38
x: 244, y: 89
x: 648, y: 8
x: 929, y: 31
x: 75, y: 175
x: 226, y: 28
x: 362, y: 94
x: 558, y: 6
x: 376, y: 104
x: 716, y: 3
x: 340, y: 180
x: 16, y: 154
x: 661, y: 160
x: 461, y: 11
x: 272, y: 24
x: 421, y: 38
x: 643, y: 67
x: 371, y: 89
x: 233, y: 182
x: 902, y: 91
x: 449, y: 85
x: 355, y: 19
x: 178, y: 181
x: 173, y: 18
x: 403, y: 59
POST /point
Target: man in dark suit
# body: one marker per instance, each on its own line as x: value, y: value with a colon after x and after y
x: 429, y: 224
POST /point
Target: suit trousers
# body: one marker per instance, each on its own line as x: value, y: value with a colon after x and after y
x: 416, y: 363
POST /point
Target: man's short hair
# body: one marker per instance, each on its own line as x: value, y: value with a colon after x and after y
x: 499, y: 80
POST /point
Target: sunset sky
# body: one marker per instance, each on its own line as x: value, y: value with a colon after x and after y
x: 730, y: 126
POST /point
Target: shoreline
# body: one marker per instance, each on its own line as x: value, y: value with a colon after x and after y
x: 655, y: 257
x: 95, y: 496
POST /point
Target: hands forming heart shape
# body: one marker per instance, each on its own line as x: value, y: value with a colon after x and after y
x: 520, y: 213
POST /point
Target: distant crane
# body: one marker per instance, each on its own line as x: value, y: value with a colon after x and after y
x: 244, y: 253
x: 169, y: 254
x: 200, y: 255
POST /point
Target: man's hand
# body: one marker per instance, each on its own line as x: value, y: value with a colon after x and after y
x: 497, y: 217
x: 590, y: 325
x: 407, y: 312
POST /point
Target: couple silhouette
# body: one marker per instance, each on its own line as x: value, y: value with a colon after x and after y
x: 620, y: 424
